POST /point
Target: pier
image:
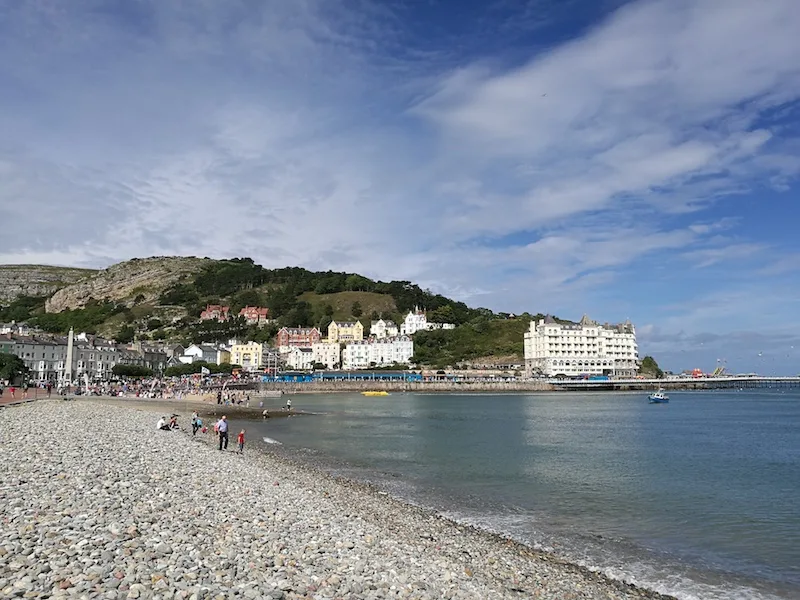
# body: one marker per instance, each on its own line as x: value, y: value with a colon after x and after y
x: 515, y: 385
x: 699, y: 383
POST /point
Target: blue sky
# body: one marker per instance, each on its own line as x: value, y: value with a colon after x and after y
x: 622, y: 159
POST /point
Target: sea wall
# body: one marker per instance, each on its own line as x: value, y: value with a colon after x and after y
x: 416, y: 387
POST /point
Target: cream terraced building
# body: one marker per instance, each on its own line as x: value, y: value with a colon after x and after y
x: 587, y: 348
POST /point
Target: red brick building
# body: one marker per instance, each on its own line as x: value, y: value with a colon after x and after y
x: 215, y: 312
x: 255, y: 315
x: 299, y: 337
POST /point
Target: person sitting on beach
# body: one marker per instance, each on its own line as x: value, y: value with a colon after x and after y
x: 162, y: 424
x: 265, y: 414
x: 173, y: 422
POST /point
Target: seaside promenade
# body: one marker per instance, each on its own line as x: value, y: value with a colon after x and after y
x: 98, y: 503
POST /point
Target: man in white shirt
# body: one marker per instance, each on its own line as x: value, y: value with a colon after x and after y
x: 222, y: 431
x: 162, y: 424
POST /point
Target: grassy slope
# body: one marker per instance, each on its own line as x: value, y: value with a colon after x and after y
x: 342, y: 303
x: 496, y: 338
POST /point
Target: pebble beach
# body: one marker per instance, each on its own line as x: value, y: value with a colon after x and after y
x: 96, y: 503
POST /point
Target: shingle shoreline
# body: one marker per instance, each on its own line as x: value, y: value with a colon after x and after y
x: 97, y: 503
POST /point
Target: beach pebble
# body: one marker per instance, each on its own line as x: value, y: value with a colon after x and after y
x: 99, y: 504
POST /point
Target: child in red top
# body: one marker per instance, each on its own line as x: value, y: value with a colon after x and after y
x: 240, y: 442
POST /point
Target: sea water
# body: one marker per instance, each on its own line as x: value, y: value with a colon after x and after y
x: 699, y: 498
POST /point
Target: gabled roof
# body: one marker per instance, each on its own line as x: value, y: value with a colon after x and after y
x: 549, y: 320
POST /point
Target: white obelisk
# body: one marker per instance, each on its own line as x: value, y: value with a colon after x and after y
x: 68, y: 365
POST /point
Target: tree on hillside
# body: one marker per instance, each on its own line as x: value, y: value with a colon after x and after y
x: 11, y: 367
x: 356, y: 309
x: 359, y: 283
x: 125, y: 334
x: 650, y: 367
x: 245, y: 298
x: 443, y: 314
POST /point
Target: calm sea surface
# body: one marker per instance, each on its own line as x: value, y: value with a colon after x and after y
x: 699, y: 498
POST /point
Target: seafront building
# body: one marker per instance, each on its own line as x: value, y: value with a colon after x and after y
x: 302, y: 337
x: 251, y: 356
x: 556, y: 349
x: 301, y: 359
x: 374, y: 352
x: 327, y: 353
x: 208, y: 353
x: 46, y: 356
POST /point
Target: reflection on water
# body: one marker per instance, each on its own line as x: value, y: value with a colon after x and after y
x: 703, y: 488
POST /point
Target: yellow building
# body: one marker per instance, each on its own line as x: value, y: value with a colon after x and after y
x: 345, y: 331
x: 223, y: 356
x: 250, y: 356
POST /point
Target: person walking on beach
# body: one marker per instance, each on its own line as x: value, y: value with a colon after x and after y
x: 195, y: 424
x: 288, y: 404
x: 13, y: 389
x: 240, y: 442
x: 222, y: 429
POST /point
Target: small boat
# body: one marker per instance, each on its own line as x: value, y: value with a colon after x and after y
x: 659, y: 397
x: 375, y: 393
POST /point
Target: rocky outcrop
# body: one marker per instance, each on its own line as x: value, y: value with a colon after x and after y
x: 137, y: 281
x: 36, y: 280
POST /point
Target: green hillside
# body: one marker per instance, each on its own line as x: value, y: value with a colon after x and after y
x: 295, y: 297
x: 347, y: 305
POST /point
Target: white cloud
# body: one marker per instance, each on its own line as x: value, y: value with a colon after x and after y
x: 659, y: 96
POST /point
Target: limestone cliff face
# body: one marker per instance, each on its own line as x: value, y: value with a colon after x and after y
x: 36, y: 280
x: 137, y: 281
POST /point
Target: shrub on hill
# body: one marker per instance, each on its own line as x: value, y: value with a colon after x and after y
x: 22, y: 309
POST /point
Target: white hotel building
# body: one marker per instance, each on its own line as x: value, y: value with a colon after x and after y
x: 363, y: 354
x: 587, y: 348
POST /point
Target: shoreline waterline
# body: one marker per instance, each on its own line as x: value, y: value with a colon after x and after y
x: 453, y: 560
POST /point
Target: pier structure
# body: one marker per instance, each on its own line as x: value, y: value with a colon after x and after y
x: 699, y: 383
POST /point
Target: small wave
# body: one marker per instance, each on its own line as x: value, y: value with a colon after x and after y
x: 269, y: 440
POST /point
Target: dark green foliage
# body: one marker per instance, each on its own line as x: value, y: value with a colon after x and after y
x: 245, y: 298
x: 22, y: 309
x: 226, y: 277
x: 181, y: 294
x: 125, y: 334
x: 480, y: 337
x: 82, y: 319
x: 154, y: 324
x: 650, y: 368
x: 213, y: 331
x: 131, y: 371
x: 299, y: 315
x: 356, y: 310
x: 11, y: 367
